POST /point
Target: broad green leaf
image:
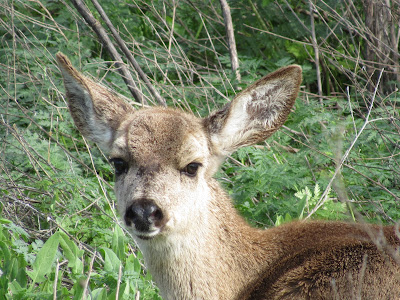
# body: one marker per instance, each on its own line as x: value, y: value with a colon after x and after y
x: 5, y: 221
x: 124, y: 292
x: 45, y: 259
x: 13, y: 269
x: 99, y: 294
x: 72, y: 253
x: 118, y: 242
x: 4, y: 283
x: 111, y: 260
x: 5, y: 253
x: 21, y: 277
x: 15, y: 288
x: 132, y: 266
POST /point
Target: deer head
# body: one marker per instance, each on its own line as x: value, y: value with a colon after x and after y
x: 164, y: 158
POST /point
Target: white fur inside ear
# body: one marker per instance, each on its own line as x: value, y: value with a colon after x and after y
x: 267, y: 103
x: 232, y: 132
x: 252, y: 111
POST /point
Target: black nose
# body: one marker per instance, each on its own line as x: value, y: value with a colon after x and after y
x: 144, y: 214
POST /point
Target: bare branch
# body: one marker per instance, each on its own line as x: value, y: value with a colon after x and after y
x: 105, y: 40
x: 86, y: 282
x: 340, y: 163
x: 316, y: 50
x: 231, y: 38
x: 128, y: 54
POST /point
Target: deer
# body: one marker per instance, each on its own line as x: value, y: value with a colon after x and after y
x: 194, y: 242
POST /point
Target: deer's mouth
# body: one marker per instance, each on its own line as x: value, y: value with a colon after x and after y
x: 149, y: 234
x: 146, y: 236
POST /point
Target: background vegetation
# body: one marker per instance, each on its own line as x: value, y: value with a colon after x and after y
x: 337, y: 157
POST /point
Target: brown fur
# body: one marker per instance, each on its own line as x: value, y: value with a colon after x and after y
x: 201, y: 248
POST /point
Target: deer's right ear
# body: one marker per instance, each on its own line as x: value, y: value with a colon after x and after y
x: 254, y: 114
x: 96, y: 112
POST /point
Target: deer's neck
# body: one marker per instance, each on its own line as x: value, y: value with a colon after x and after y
x: 215, y: 261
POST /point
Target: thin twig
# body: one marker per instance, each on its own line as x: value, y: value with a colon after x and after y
x: 258, y: 16
x: 345, y: 165
x: 99, y: 179
x: 85, y: 287
x: 56, y: 280
x: 170, y: 39
x: 128, y: 54
x: 323, y: 197
x: 351, y: 109
x: 105, y: 40
x: 230, y: 38
x: 49, y: 219
x: 137, y: 295
x: 316, y: 50
x: 118, y: 282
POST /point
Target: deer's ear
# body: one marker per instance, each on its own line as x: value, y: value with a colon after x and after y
x: 255, y: 113
x: 96, y: 112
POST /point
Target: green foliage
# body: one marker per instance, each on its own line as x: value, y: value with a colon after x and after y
x: 330, y: 209
x: 265, y: 188
x: 46, y: 264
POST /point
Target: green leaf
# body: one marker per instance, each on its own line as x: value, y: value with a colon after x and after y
x: 16, y: 288
x: 72, y: 253
x: 4, y: 283
x: 132, y: 266
x: 5, y: 221
x: 44, y: 260
x: 118, y: 242
x: 5, y: 253
x: 21, y: 277
x: 99, y: 294
x: 124, y: 292
x: 111, y: 260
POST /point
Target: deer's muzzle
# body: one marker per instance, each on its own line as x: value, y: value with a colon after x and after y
x: 145, y: 216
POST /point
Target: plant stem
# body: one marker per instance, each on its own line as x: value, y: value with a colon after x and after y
x: 230, y: 38
x: 105, y: 40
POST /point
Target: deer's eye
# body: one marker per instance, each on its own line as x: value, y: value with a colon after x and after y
x: 120, y: 165
x: 191, y: 169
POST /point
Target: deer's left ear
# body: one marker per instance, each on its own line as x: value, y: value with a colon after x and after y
x: 255, y: 113
x: 96, y: 112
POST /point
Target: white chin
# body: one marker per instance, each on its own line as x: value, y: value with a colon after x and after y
x: 148, y: 235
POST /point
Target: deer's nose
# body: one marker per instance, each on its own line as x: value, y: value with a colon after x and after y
x: 144, y: 214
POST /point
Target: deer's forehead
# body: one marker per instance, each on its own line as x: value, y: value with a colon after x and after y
x: 164, y: 134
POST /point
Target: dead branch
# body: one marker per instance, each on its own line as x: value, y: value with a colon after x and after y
x: 105, y: 40
x: 230, y: 38
x: 316, y: 50
x: 128, y: 54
